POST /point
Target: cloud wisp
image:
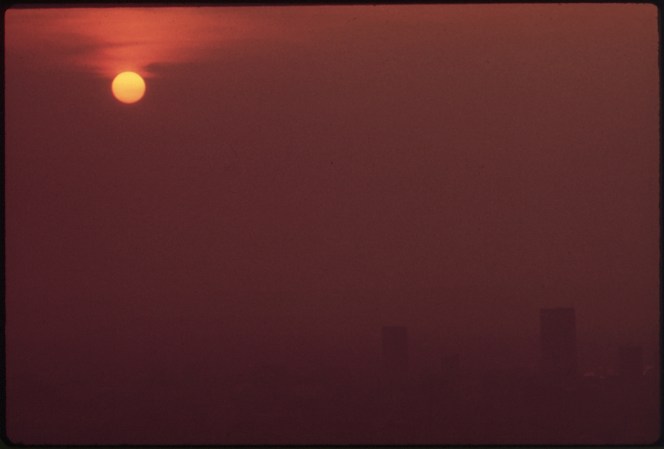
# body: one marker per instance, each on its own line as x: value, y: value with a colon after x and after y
x: 105, y: 41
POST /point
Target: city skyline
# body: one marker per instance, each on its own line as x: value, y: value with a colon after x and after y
x: 229, y: 219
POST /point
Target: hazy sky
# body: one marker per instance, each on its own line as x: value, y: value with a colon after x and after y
x: 300, y: 175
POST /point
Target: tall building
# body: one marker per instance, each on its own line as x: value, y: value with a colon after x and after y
x: 395, y: 353
x: 630, y: 361
x: 558, y: 342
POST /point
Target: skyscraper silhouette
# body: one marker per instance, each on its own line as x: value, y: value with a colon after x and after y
x: 558, y: 342
x: 395, y: 354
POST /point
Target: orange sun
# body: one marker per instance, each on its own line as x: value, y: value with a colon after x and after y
x: 128, y: 87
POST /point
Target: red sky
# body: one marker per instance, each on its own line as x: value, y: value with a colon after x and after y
x: 296, y: 177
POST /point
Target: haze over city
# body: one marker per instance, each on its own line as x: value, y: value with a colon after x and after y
x: 279, y: 215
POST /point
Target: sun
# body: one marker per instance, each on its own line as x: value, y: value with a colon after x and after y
x: 128, y: 87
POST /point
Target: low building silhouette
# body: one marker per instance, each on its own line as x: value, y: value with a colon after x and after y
x: 630, y: 362
x: 558, y: 343
x: 450, y: 365
x: 395, y: 356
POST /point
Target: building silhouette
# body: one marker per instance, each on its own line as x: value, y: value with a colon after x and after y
x: 395, y: 355
x: 630, y: 361
x: 558, y: 342
x: 450, y: 367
